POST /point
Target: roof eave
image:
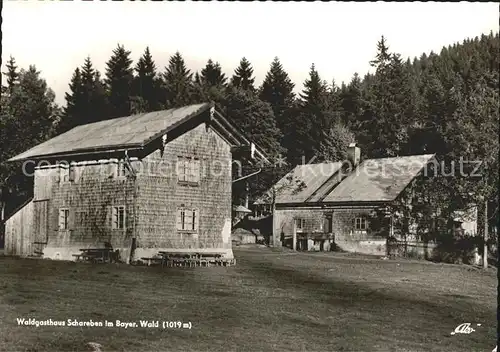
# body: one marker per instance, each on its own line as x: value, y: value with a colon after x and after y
x: 327, y: 205
x: 80, y: 152
x: 225, y: 125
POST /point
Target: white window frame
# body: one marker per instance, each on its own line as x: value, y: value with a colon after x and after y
x: 360, y: 223
x: 188, y: 170
x: 118, y: 223
x: 63, y: 219
x: 188, y: 220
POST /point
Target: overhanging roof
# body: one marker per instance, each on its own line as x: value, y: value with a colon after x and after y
x: 373, y: 181
x: 130, y: 132
x: 312, y: 177
x: 377, y: 180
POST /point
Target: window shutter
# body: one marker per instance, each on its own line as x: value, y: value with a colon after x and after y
x: 178, y: 166
x: 54, y: 217
x: 60, y: 219
x: 110, y: 216
x: 115, y: 218
x: 179, y: 219
x: 71, y: 220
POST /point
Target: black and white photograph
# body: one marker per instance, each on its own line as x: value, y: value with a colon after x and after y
x: 235, y: 176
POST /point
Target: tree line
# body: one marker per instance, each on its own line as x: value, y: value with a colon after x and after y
x: 445, y: 103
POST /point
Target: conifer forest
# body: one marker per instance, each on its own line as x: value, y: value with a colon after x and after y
x: 443, y: 102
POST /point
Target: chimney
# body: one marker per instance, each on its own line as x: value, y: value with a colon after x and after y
x: 353, y: 154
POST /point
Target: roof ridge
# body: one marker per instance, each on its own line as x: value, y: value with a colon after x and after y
x: 136, y: 114
x: 400, y: 157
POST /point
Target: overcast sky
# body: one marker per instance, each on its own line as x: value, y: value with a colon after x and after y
x: 340, y: 38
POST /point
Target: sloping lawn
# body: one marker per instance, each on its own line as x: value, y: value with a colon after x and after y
x: 270, y: 301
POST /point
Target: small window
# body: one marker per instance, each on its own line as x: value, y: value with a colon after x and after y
x: 63, y: 219
x: 300, y: 225
x: 118, y: 218
x: 187, y: 219
x: 188, y: 170
x: 71, y: 173
x: 360, y: 224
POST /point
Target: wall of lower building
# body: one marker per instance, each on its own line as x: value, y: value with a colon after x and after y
x: 161, y: 195
x: 19, y: 234
x: 90, y: 198
x: 339, y: 222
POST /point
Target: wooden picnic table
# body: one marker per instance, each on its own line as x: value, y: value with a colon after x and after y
x: 94, y: 254
x: 190, y: 258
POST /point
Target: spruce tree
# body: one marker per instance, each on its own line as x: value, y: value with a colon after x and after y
x: 119, y: 76
x: 212, y: 76
x: 304, y: 134
x: 86, y: 102
x: 211, y: 85
x: 351, y: 103
x: 73, y: 113
x: 177, y: 83
x: 277, y: 90
x: 256, y: 119
x: 12, y: 75
x: 315, y: 93
x: 96, y: 104
x: 146, y: 84
x: 242, y: 77
x: 389, y: 105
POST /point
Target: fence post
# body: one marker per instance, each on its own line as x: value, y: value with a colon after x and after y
x: 485, y: 254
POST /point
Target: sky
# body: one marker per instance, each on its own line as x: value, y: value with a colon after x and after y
x: 339, y: 38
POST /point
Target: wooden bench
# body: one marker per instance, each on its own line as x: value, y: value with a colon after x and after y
x: 96, y: 255
x: 82, y: 256
x: 152, y: 260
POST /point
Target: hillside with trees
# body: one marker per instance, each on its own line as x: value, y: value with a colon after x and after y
x: 445, y: 103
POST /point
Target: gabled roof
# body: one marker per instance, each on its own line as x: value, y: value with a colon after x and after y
x: 377, y: 180
x: 312, y: 176
x: 301, y: 183
x: 130, y: 132
x: 374, y: 180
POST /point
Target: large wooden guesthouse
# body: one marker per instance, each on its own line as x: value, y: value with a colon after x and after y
x: 151, y: 182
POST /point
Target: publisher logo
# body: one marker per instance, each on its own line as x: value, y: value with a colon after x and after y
x: 464, y: 328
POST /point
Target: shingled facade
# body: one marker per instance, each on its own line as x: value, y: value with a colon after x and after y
x: 142, y: 183
x: 348, y: 205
